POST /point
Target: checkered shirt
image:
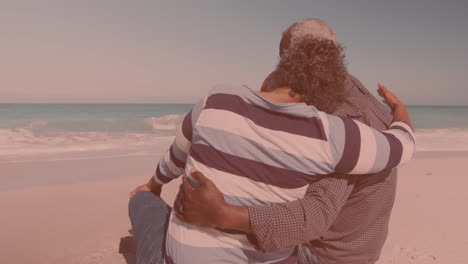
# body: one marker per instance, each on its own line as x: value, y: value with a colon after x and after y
x: 342, y: 218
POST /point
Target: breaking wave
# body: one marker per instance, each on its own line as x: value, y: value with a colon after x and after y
x: 73, y: 136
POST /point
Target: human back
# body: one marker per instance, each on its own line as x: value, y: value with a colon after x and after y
x: 257, y: 152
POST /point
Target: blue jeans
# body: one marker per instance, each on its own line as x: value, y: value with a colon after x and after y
x: 149, y: 216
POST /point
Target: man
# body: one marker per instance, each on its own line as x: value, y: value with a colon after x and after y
x: 342, y: 219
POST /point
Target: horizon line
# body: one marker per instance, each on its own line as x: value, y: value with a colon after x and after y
x: 149, y: 103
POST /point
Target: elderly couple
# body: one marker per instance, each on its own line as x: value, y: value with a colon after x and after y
x: 299, y: 172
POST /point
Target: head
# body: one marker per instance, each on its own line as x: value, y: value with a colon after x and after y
x: 314, y: 69
x: 311, y: 27
x: 311, y: 65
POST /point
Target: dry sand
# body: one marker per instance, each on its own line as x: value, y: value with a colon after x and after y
x: 81, y: 217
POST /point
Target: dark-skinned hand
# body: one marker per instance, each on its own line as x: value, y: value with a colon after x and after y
x: 200, y: 206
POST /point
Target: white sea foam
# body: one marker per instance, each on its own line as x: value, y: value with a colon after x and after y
x: 168, y: 122
x: 38, y: 139
x: 23, y: 142
x: 162, y: 124
x: 442, y: 139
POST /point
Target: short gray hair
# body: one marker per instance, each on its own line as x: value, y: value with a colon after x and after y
x: 311, y: 27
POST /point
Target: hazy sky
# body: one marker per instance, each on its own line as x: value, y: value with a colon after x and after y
x: 174, y: 51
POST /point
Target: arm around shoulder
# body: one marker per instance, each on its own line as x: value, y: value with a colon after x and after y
x: 364, y: 150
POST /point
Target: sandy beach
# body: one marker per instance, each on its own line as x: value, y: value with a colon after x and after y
x: 75, y: 211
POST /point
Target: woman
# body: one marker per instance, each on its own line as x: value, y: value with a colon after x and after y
x: 266, y: 147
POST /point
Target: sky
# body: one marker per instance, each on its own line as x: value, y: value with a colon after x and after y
x: 142, y: 51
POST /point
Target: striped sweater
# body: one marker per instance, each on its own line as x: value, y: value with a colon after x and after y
x: 259, y: 152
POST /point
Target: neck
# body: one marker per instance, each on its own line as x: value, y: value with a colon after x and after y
x: 281, y: 95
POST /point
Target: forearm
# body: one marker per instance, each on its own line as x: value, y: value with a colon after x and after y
x: 154, y: 186
x: 282, y: 225
x: 173, y: 162
x: 277, y: 226
x: 400, y: 114
x: 234, y: 218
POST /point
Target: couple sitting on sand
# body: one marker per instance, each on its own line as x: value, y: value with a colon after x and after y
x: 284, y: 175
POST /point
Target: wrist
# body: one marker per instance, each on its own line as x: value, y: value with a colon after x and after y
x: 154, y: 186
x: 398, y: 107
x: 234, y: 217
x: 222, y: 216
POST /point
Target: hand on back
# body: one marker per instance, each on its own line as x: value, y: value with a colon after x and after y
x: 201, y: 206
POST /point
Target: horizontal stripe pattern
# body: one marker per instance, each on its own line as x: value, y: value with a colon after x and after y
x: 251, y: 169
x: 367, y: 150
x: 160, y: 177
x: 408, y: 146
x: 173, y: 162
x: 307, y: 127
x: 251, y: 97
x: 383, y: 146
x: 186, y: 234
x: 181, y: 143
x: 187, y: 126
x: 244, y: 191
x: 292, y: 144
x: 214, y: 246
x: 396, y: 150
x: 176, y: 161
x: 238, y: 145
x: 351, y: 148
x: 234, y: 255
x: 405, y: 128
x: 169, y: 168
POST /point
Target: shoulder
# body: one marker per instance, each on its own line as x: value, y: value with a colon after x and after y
x: 361, y: 105
x: 233, y: 89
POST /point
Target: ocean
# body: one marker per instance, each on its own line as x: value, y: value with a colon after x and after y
x: 34, y: 132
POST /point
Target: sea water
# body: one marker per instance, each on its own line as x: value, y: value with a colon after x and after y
x: 67, y: 131
x: 70, y: 131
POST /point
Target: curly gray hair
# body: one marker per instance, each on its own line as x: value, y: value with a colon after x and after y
x: 313, y: 68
